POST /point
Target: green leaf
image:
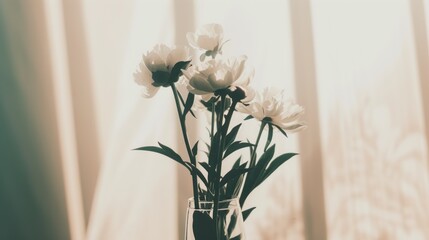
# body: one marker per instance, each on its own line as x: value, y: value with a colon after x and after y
x: 162, y: 151
x: 276, y: 163
x: 176, y: 71
x: 181, y: 98
x: 237, y: 163
x: 199, y: 173
x: 236, y: 146
x: 247, y: 212
x: 170, y: 152
x: 214, y: 146
x: 203, y: 226
x: 281, y: 130
x: 210, y: 170
x: 269, y: 137
x: 183, y: 103
x: 207, y: 145
x: 252, y: 176
x: 205, y: 195
x: 238, y: 185
x: 238, y: 237
x: 251, y: 147
x: 188, y: 104
x: 210, y: 103
x: 231, y: 186
x: 234, y: 173
x: 232, y: 224
x: 230, y: 137
x: 263, y: 162
x: 195, y: 149
x: 248, y: 117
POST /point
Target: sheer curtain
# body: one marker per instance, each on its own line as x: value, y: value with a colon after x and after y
x: 71, y: 113
x: 136, y: 195
x: 370, y: 101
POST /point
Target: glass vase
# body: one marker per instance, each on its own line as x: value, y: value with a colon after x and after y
x: 201, y: 226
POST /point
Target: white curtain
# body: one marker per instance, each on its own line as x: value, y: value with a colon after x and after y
x: 71, y: 115
x: 376, y: 176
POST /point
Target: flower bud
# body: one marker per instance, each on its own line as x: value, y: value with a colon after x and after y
x: 238, y: 94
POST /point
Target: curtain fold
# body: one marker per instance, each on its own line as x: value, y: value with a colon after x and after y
x: 136, y: 195
x: 311, y: 160
x: 82, y: 94
x: 420, y: 23
x: 32, y: 197
x: 184, y: 21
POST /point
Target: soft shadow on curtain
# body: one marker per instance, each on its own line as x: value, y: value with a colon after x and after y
x: 375, y: 157
x: 49, y: 144
x: 32, y: 197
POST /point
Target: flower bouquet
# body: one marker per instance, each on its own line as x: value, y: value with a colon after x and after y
x: 219, y: 86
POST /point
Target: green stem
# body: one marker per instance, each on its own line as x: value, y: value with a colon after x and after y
x: 188, y: 147
x: 251, y: 165
x: 219, y: 164
x: 253, y: 156
x: 213, y: 119
x: 224, y: 130
x: 212, y: 133
x: 228, y: 121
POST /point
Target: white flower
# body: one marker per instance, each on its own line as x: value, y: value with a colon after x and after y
x: 216, y: 74
x: 155, y: 68
x: 208, y: 37
x: 269, y: 106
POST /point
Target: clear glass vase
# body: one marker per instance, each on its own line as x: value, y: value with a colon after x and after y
x: 201, y: 226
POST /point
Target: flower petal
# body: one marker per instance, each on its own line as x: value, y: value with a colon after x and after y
x: 207, y: 43
x: 143, y: 77
x: 162, y: 50
x: 154, y: 62
x: 197, y: 91
x: 188, y: 73
x: 239, y: 66
x: 177, y: 55
x: 217, y: 29
x: 206, y: 37
x: 270, y: 104
x: 198, y: 82
x: 295, y: 127
x: 220, y: 83
x: 244, y: 79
